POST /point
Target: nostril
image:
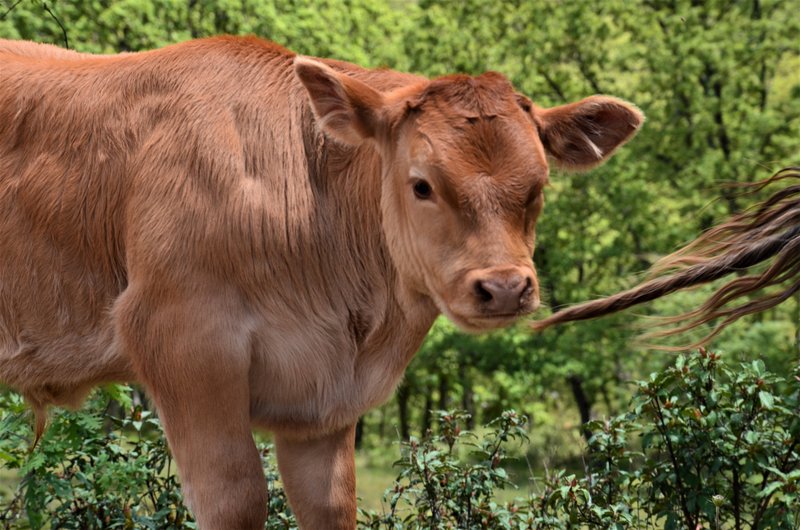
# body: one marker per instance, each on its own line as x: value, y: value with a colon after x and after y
x: 528, y: 285
x: 482, y: 293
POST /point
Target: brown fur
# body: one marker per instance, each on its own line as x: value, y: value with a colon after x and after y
x: 238, y: 229
x: 768, y: 233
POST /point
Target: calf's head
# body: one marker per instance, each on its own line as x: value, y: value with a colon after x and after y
x: 464, y: 166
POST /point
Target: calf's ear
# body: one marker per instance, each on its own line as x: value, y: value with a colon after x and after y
x: 346, y: 109
x: 585, y: 134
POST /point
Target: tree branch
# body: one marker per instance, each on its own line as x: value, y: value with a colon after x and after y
x: 60, y: 25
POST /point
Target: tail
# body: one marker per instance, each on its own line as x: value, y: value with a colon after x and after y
x: 40, y: 422
x: 767, y: 233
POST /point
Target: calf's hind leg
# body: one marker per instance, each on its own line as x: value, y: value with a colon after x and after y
x: 195, y: 365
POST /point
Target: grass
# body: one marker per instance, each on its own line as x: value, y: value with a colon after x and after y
x: 8, y: 483
x: 371, y: 481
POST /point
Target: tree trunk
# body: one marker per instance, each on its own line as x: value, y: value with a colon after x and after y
x: 467, y: 396
x: 444, y: 388
x: 382, y: 424
x: 426, y: 412
x: 403, y: 393
x: 582, y: 400
x: 359, y: 432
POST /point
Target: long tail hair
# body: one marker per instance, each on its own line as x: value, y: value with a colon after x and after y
x: 767, y: 233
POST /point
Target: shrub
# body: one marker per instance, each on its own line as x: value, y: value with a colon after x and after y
x: 720, y: 445
x: 441, y: 486
x: 92, y: 470
x: 703, y: 446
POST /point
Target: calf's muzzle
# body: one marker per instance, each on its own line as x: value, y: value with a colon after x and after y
x: 504, y: 291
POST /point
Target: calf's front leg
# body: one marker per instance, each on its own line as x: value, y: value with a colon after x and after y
x: 319, y: 478
x: 194, y: 359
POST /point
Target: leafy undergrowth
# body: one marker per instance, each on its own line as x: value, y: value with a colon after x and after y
x: 703, y: 446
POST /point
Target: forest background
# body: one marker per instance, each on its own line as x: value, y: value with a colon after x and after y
x: 719, y: 82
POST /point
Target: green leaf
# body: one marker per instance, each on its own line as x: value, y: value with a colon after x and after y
x: 766, y: 399
x: 769, y: 489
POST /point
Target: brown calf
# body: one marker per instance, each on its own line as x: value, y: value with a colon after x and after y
x: 262, y: 240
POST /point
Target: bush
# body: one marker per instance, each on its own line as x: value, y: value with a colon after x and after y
x: 720, y: 445
x: 715, y: 448
x: 704, y: 446
x: 441, y: 486
x: 92, y: 470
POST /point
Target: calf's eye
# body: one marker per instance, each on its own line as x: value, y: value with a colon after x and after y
x: 422, y: 190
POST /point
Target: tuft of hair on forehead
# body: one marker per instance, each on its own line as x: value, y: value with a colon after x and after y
x: 489, y: 94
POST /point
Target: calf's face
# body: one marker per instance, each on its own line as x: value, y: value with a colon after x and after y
x: 465, y: 164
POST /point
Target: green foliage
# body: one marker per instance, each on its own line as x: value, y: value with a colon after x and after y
x: 92, y: 470
x: 440, y: 488
x: 718, y: 81
x: 719, y: 444
x: 703, y: 446
x: 352, y: 30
